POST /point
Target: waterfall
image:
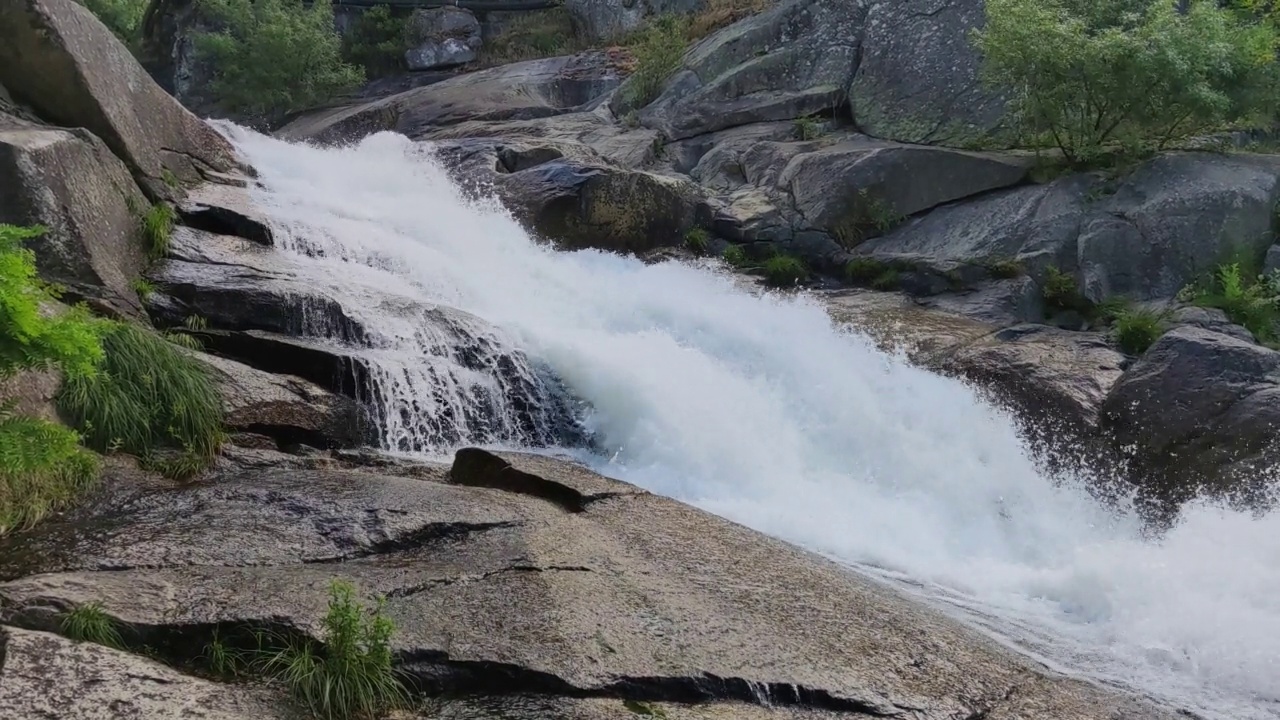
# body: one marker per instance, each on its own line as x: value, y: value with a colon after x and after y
x: 757, y: 407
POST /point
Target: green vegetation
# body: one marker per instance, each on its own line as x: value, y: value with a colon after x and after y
x: 1247, y: 298
x: 376, y: 42
x: 351, y: 676
x: 658, y: 53
x: 149, y: 397
x: 736, y: 256
x: 1074, y: 65
x: 42, y: 466
x: 865, y: 213
x: 157, y: 230
x: 143, y: 287
x: 224, y: 661
x: 530, y: 35
x: 808, y: 128
x: 1005, y: 269
x: 1061, y: 293
x: 275, y: 56
x: 697, y: 240
x: 1135, y: 329
x: 90, y: 623
x: 122, y: 17
x: 784, y: 271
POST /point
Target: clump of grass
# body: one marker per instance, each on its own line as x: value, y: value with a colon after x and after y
x: 157, y: 229
x: 531, y: 35
x: 887, y: 280
x: 644, y: 709
x: 143, y: 287
x: 1005, y: 269
x: 861, y: 270
x: 149, y: 396
x: 90, y: 623
x: 697, y: 240
x: 808, y: 128
x: 784, y: 271
x: 658, y: 53
x: 1061, y: 293
x: 351, y: 675
x: 716, y: 14
x: 223, y: 660
x: 1247, y: 299
x: 1137, y: 329
x: 865, y: 212
x: 169, y: 178
x: 735, y: 256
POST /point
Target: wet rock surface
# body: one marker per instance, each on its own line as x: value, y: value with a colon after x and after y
x: 46, y: 676
x: 502, y: 592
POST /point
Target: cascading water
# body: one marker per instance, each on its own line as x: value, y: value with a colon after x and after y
x: 759, y: 409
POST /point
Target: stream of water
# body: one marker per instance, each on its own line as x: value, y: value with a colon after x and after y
x: 759, y: 408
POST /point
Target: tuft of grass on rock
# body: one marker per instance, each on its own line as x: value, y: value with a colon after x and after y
x: 149, y: 397
x: 351, y: 675
x: 736, y: 257
x: 1061, y: 293
x: 90, y: 623
x: 1246, y: 298
x: 1005, y: 269
x: 862, y: 270
x: 43, y: 469
x: 697, y: 240
x: 1136, y: 329
x: 784, y: 271
x: 157, y: 229
x: 808, y: 128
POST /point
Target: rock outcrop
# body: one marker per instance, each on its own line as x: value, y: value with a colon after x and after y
x: 627, y: 596
x: 441, y: 37
x: 58, y: 58
x: 68, y: 182
x: 604, y: 20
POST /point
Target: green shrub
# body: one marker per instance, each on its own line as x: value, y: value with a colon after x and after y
x: 887, y: 280
x: 150, y: 396
x: 30, y: 337
x: 658, y: 54
x: 736, y: 256
x: 275, y: 56
x: 352, y: 675
x: 376, y: 42
x: 1005, y: 269
x: 697, y: 240
x: 122, y: 17
x: 1136, y: 329
x: 862, y: 270
x: 42, y: 466
x: 157, y: 230
x: 90, y: 623
x: 808, y: 128
x: 784, y: 271
x: 1087, y: 74
x: 1245, y: 298
x: 42, y: 469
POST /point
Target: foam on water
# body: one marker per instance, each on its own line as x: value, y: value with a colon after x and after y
x: 758, y: 408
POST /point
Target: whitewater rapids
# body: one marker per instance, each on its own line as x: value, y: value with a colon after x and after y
x: 760, y: 409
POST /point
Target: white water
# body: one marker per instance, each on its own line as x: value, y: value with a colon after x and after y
x: 759, y: 409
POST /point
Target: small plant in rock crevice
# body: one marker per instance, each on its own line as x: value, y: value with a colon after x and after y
x: 90, y: 623
x: 808, y: 128
x: 697, y: 241
x: 350, y: 675
x: 1005, y: 269
x: 1061, y: 293
x: 157, y: 229
x: 1247, y: 298
x: 784, y: 271
x: 658, y: 54
x: 1137, y: 329
x: 736, y: 257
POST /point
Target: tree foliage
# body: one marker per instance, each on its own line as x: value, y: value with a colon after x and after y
x: 1086, y: 75
x: 274, y: 57
x: 122, y: 17
x: 376, y: 42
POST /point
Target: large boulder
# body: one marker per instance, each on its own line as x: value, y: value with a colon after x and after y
x: 58, y: 58
x: 793, y: 60
x: 497, y: 587
x: 440, y: 37
x: 605, y: 20
x: 48, y: 676
x: 524, y: 90
x: 917, y: 75
x: 70, y: 183
x: 1145, y: 235
x: 1201, y: 410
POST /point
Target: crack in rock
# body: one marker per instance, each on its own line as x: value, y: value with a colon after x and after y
x: 416, y: 588
x: 4, y: 648
x: 432, y: 533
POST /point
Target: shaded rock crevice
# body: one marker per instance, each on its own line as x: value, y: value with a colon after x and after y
x: 410, y: 590
x: 478, y: 468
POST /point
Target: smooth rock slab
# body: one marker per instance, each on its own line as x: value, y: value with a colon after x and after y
x: 636, y: 596
x: 44, y: 677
